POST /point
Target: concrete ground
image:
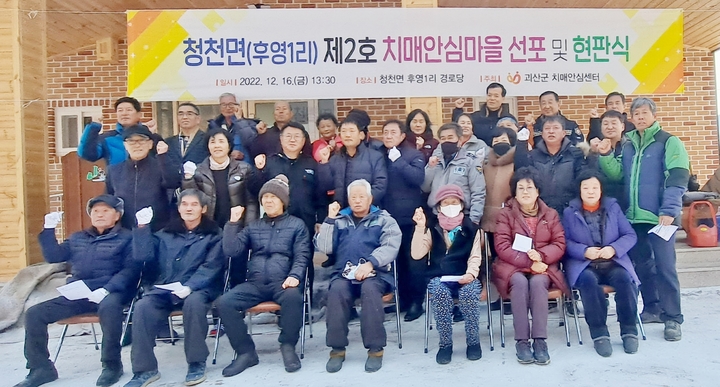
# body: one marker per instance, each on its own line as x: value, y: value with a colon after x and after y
x: 694, y: 361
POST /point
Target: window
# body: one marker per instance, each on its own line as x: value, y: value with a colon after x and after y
x: 69, y: 125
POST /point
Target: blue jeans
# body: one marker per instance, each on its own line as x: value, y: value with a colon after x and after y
x: 590, y: 284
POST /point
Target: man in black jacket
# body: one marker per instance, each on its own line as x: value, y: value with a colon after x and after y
x: 143, y: 179
x: 189, y: 144
x: 101, y: 256
x: 187, y: 255
x: 280, y: 254
x: 485, y: 119
x: 242, y: 130
x: 550, y: 106
x: 614, y: 101
x: 406, y: 173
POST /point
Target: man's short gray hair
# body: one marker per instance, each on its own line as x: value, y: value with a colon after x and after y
x: 360, y: 183
x: 223, y: 95
x: 639, y: 102
x: 200, y: 195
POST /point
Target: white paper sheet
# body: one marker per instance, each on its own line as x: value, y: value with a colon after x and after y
x: 173, y: 287
x: 522, y: 243
x: 664, y: 232
x: 76, y: 290
x: 450, y: 278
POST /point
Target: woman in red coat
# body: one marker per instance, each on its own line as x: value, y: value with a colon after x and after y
x: 526, y: 276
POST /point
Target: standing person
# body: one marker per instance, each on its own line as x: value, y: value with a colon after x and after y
x: 189, y: 144
x: 421, y: 132
x: 187, y: 254
x: 486, y: 118
x: 406, y: 172
x: 557, y: 162
x: 268, y: 140
x: 655, y: 166
x: 449, y: 241
x: 468, y: 142
x: 612, y: 127
x: 498, y: 170
x: 223, y: 179
x: 614, y: 101
x: 367, y: 240
x: 279, y: 254
x: 598, y: 239
x: 243, y: 131
x: 525, y: 277
x: 549, y: 107
x: 143, y: 179
x: 450, y: 166
x: 327, y: 125
x: 100, y: 256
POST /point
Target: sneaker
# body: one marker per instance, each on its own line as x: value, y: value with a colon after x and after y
x: 110, y: 374
x: 630, y: 343
x: 444, y: 355
x: 241, y: 363
x: 39, y: 376
x: 650, y: 318
x: 337, y: 357
x: 473, y: 352
x: 603, y: 346
x: 290, y: 358
x: 457, y: 314
x: 374, y: 361
x: 195, y: 374
x: 523, y: 352
x: 540, y: 352
x: 672, y: 331
x: 143, y: 379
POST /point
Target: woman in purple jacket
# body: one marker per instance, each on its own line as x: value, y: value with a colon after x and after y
x: 598, y: 238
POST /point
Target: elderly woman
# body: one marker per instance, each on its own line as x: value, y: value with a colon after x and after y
x: 469, y: 143
x: 449, y: 241
x: 598, y: 240
x: 222, y: 179
x: 529, y: 241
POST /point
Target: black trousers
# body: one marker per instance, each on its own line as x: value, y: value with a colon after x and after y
x: 38, y: 317
x: 590, y: 284
x: 341, y: 296
x: 412, y: 280
x: 152, y: 311
x: 233, y: 304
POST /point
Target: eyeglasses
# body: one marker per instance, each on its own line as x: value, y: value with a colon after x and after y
x: 228, y: 105
x: 527, y: 189
x: 187, y: 114
x: 293, y: 136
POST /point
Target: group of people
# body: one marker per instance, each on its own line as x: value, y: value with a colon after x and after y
x: 412, y: 197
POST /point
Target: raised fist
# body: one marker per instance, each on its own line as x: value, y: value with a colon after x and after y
x: 52, y: 219
x: 460, y: 103
x: 333, y: 209
x: 162, y: 147
x: 144, y: 216
x: 236, y: 213
x: 419, y: 217
x: 433, y: 162
x: 260, y: 161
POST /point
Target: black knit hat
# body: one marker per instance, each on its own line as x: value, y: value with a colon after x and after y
x: 279, y: 187
x: 112, y: 201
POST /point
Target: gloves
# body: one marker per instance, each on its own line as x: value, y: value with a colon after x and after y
x: 52, y: 219
x: 394, y: 154
x: 189, y: 168
x: 183, y: 293
x: 523, y: 134
x: 98, y: 295
x: 144, y: 216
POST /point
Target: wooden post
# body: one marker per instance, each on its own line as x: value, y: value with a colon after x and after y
x: 23, y: 133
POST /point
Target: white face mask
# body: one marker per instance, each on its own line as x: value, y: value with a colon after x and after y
x: 452, y: 210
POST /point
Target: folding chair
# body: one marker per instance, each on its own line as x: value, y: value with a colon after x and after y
x: 486, y: 260
x: 553, y: 294
x: 607, y: 289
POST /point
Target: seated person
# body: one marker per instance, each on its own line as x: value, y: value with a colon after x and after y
x: 188, y: 254
x: 598, y: 239
x: 280, y: 253
x: 449, y: 242
x: 101, y: 256
x: 365, y: 241
x: 526, y: 276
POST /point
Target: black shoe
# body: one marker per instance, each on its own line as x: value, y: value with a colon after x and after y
x: 195, y: 374
x: 290, y: 358
x: 110, y: 374
x: 39, y: 376
x: 414, y: 312
x: 334, y: 364
x: 444, y: 355
x: 523, y: 352
x: 570, y: 311
x: 457, y: 314
x: 143, y: 379
x: 630, y: 343
x: 243, y: 362
x: 374, y: 361
x: 473, y: 352
x: 495, y: 305
x: 507, y: 308
x: 354, y: 314
x: 603, y: 346
x: 672, y: 331
x: 650, y: 318
x: 540, y: 352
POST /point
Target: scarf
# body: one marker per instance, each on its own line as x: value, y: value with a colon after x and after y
x: 449, y: 224
x: 215, y: 166
x: 589, y: 208
x: 530, y: 214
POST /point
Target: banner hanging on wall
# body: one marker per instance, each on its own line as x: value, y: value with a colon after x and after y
x: 379, y: 52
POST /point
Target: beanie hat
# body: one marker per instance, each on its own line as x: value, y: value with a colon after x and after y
x: 112, y: 201
x: 447, y: 191
x: 279, y: 187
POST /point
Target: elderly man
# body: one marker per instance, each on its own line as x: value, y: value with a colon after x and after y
x: 655, y: 167
x: 268, y: 140
x: 549, y: 107
x: 188, y: 257
x: 485, y: 119
x: 100, y: 256
x: 365, y: 241
x: 280, y: 254
x: 243, y: 131
x: 614, y: 101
